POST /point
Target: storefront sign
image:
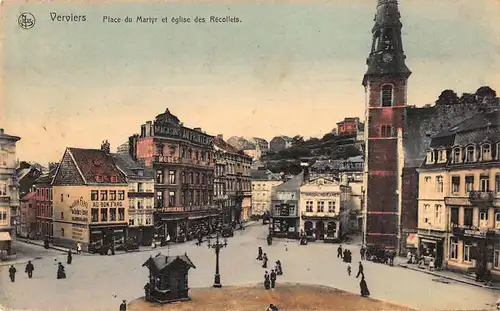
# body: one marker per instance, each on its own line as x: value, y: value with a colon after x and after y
x: 182, y: 132
x: 79, y: 232
x: 107, y: 204
x: 79, y: 211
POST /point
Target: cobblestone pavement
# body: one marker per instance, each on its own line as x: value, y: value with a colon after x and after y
x: 101, y: 282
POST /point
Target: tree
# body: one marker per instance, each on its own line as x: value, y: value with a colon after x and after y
x: 447, y: 97
x: 297, y: 140
x: 486, y: 92
x: 467, y: 98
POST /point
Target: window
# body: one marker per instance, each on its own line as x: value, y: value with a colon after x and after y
x: 467, y: 253
x: 139, y: 205
x: 62, y: 232
x: 104, y: 214
x: 191, y: 178
x: 62, y: 197
x: 140, y: 187
x: 453, y: 248
x: 437, y: 214
x: 455, y: 184
x: 203, y: 179
x: 121, y: 214
x: 3, y: 189
x: 159, y: 150
x: 496, y: 259
x: 439, y: 184
x: 159, y: 198
x: 131, y: 222
x: 3, y: 159
x: 469, y: 154
x: 309, y: 206
x: 37, y: 192
x: 484, y: 183
x: 454, y: 216
x: 171, y: 177
x: 469, y: 183
x: 486, y: 152
x: 121, y: 195
x: 331, y: 206
x: 104, y: 195
x: 497, y: 183
x: 321, y: 207
x: 148, y: 221
x: 387, y: 96
x: 483, y: 216
x: 62, y: 215
x: 197, y: 179
x: 171, y: 198
x: 112, y: 214
x: 385, y: 131
x: 468, y: 214
x: 456, y: 155
x: 427, y: 179
x: 442, y: 155
x: 94, y: 195
x: 159, y: 177
x: 497, y: 220
x: 112, y: 195
x: 430, y: 156
x: 94, y: 215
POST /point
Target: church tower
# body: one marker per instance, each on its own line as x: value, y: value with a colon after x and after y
x: 385, y: 85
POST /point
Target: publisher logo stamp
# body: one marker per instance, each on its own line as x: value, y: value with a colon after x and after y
x: 26, y: 20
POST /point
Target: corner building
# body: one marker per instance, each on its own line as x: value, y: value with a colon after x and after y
x: 183, y: 163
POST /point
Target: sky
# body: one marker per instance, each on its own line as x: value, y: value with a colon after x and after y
x: 289, y: 67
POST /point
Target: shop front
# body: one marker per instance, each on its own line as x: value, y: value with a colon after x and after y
x: 104, y: 235
x: 285, y: 227
x: 327, y: 229
x: 142, y: 234
x: 431, y: 248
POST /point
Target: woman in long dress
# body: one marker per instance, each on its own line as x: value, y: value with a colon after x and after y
x: 364, y: 288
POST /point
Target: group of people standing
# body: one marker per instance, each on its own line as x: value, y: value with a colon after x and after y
x: 269, y: 279
x: 347, y: 253
x: 30, y: 268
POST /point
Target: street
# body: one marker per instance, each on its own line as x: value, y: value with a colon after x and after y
x: 101, y: 282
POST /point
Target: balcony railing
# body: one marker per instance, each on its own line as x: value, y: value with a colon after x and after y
x: 481, y: 197
x: 318, y: 214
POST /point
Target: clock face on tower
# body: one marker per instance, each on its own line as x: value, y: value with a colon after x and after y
x: 387, y: 57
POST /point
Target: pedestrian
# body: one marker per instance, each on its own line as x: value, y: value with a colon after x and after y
x: 12, y: 273
x: 264, y: 261
x: 362, y: 252
x: 349, y: 270
x: 431, y: 265
x: 29, y: 269
x: 339, y: 252
x: 113, y: 247
x: 273, y: 279
x: 70, y: 257
x: 279, y: 271
x: 360, y: 270
x: 392, y: 255
x: 409, y: 257
x: 349, y: 256
x: 267, y: 282
x: 61, y: 274
x: 364, y: 288
x: 259, y: 256
x: 123, y: 305
x: 79, y: 248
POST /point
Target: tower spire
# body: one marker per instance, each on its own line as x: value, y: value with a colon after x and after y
x: 386, y: 56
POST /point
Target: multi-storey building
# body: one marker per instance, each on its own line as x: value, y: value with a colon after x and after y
x: 285, y: 197
x: 140, y: 197
x: 220, y: 187
x: 183, y: 163
x: 459, y: 196
x: 263, y: 182
x: 263, y: 144
x: 349, y: 126
x: 89, y: 199
x: 279, y: 143
x: 324, y: 206
x: 44, y: 212
x: 236, y: 180
x: 27, y: 221
x: 9, y: 189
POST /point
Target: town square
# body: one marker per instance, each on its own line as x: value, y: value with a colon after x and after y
x: 336, y: 155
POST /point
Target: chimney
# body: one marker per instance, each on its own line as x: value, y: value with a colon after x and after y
x: 132, y: 146
x: 198, y: 129
x: 220, y: 136
x: 105, y: 147
x: 148, y: 128
x: 1, y: 132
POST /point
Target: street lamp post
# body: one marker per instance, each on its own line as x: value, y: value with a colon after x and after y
x: 217, y: 247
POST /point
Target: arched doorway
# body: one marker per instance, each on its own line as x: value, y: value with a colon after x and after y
x: 308, y: 228
x: 320, y: 230
x: 331, y: 229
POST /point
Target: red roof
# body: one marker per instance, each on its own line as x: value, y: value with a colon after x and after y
x: 28, y: 196
x: 97, y: 166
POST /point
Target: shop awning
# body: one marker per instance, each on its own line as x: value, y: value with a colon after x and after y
x: 5, y: 236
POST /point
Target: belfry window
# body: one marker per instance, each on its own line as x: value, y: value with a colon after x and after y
x: 387, y: 95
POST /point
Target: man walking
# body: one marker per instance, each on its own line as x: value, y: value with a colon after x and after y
x: 362, y: 252
x: 360, y: 270
x: 29, y: 269
x: 273, y: 279
x: 70, y: 257
x: 12, y: 273
x: 339, y: 252
x: 123, y: 306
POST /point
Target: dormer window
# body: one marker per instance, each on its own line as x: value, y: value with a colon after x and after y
x: 98, y: 178
x: 442, y: 156
x: 470, y: 154
x: 114, y: 179
x: 430, y: 157
x: 486, y: 152
x: 387, y: 95
x: 456, y: 155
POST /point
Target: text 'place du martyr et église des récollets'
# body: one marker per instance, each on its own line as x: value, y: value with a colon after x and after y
x: 140, y: 19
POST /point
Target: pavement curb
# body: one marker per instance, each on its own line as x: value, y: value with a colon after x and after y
x: 449, y: 277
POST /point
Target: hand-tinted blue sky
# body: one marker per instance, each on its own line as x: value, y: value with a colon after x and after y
x: 288, y: 68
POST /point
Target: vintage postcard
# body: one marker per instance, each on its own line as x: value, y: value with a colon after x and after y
x: 250, y: 155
